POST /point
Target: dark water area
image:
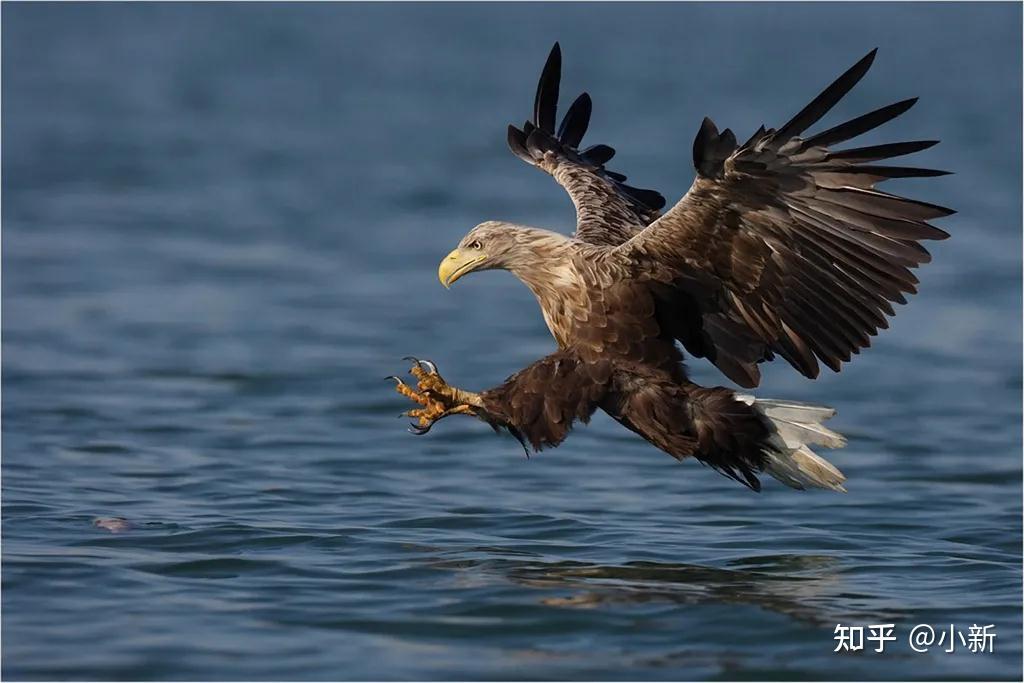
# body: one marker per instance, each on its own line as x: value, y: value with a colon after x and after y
x: 221, y: 228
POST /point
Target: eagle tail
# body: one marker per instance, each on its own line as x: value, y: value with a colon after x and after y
x: 797, y: 426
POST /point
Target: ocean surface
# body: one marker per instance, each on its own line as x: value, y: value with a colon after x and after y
x: 221, y: 227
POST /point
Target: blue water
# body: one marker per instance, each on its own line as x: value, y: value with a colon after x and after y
x: 221, y: 225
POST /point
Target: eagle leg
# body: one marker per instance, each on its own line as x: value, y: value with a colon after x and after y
x: 438, y: 398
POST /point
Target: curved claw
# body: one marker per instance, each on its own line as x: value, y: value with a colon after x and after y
x: 427, y: 365
x: 417, y: 430
x: 396, y: 378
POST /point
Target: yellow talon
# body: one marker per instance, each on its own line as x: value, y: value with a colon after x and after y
x: 438, y: 399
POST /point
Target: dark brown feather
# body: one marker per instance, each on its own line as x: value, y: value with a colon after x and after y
x: 785, y: 247
x: 545, y: 102
x: 576, y: 121
x: 859, y: 125
x: 709, y: 424
x: 541, y: 401
x: 821, y: 104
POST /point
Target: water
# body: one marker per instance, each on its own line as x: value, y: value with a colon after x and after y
x: 221, y: 228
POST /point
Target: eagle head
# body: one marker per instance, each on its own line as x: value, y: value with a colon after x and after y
x: 494, y: 244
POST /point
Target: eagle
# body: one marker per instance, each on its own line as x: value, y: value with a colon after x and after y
x: 782, y: 247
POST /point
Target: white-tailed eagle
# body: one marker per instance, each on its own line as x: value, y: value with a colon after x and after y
x: 782, y: 247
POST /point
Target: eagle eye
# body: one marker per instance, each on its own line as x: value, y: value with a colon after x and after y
x: 475, y: 244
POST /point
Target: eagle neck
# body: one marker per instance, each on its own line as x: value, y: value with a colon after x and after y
x: 547, y: 269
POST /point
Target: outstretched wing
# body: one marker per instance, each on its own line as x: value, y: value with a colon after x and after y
x: 540, y: 402
x: 608, y: 211
x: 783, y: 245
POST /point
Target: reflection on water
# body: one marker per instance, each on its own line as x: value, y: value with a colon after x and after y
x: 795, y: 585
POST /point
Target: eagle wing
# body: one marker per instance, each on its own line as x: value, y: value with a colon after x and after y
x: 784, y: 246
x: 608, y: 212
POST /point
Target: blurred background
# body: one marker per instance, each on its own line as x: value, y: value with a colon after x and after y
x: 221, y: 227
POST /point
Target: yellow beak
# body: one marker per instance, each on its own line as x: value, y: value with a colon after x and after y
x: 458, y: 263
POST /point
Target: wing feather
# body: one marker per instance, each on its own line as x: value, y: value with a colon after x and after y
x: 608, y: 211
x: 859, y: 125
x: 545, y: 102
x: 828, y: 98
x: 574, y: 125
x: 787, y: 246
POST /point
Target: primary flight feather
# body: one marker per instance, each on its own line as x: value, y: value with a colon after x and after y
x: 782, y: 246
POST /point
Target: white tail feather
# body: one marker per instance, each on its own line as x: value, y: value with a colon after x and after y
x: 796, y: 425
